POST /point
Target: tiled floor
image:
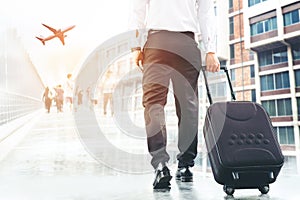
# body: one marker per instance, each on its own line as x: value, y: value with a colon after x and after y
x: 53, y: 161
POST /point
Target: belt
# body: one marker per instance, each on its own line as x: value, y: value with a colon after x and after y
x: 187, y: 33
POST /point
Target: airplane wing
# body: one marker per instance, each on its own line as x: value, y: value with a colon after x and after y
x: 50, y: 28
x: 69, y: 28
x: 49, y: 38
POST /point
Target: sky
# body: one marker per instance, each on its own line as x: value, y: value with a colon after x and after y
x: 96, y: 21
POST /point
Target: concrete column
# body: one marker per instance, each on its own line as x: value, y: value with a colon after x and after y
x: 257, y: 79
x: 294, y: 106
x: 280, y: 26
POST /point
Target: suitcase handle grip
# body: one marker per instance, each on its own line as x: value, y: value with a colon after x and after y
x: 224, y: 68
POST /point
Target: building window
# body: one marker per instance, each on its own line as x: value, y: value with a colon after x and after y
x: 232, y: 74
x: 253, y: 2
x: 122, y: 48
x: 230, y: 4
x: 285, y: 135
x: 252, y: 71
x: 297, y: 78
x: 231, y: 25
x: 298, y: 106
x: 270, y: 107
x: 267, y: 82
x: 263, y: 26
x: 273, y: 56
x: 275, y: 81
x: 282, y: 80
x: 296, y: 51
x: 292, y: 17
x: 253, y: 95
x: 284, y: 107
x: 218, y: 89
x: 290, y: 165
x: 279, y: 107
x: 110, y: 53
x: 232, y: 51
x: 223, y: 62
x: 251, y: 55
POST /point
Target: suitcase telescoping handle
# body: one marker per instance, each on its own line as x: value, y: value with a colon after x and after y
x: 224, y: 68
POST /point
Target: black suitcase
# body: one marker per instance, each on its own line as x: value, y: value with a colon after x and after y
x: 242, y: 146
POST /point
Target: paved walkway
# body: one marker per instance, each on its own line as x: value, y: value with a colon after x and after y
x: 47, y: 160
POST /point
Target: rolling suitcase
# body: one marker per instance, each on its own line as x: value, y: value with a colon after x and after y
x: 242, y: 146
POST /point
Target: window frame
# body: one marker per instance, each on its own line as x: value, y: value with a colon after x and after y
x: 267, y: 58
x: 232, y: 75
x: 230, y: 4
x: 252, y: 71
x: 232, y: 51
x: 254, y: 2
x: 298, y: 106
x: 288, y: 18
x: 231, y: 25
x: 283, y: 77
x: 296, y: 51
x: 263, y: 26
x: 285, y: 135
x: 273, y: 109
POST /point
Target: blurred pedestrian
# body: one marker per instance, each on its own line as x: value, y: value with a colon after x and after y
x: 47, y: 98
x: 69, y: 89
x: 59, y: 97
x: 108, y: 87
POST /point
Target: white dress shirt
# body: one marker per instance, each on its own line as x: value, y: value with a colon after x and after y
x: 177, y: 15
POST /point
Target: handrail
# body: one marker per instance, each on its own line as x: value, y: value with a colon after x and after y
x: 20, y: 95
x: 13, y: 106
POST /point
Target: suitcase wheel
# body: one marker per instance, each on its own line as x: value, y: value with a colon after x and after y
x: 228, y: 190
x: 264, y: 189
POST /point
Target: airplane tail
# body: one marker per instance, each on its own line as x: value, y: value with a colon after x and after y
x: 41, y: 39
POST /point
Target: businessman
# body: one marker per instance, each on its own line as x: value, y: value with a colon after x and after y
x: 171, y: 54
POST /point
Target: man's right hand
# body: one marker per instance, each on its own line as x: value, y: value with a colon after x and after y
x: 138, y: 58
x: 212, y: 62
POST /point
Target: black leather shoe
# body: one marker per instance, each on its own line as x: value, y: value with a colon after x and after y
x: 184, y: 174
x: 162, y: 178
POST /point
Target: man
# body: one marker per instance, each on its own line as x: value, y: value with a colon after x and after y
x: 108, y: 88
x: 59, y: 98
x: 171, y: 54
x: 69, y: 91
x: 47, y: 98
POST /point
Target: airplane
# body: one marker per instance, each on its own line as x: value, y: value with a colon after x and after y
x: 57, y: 33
